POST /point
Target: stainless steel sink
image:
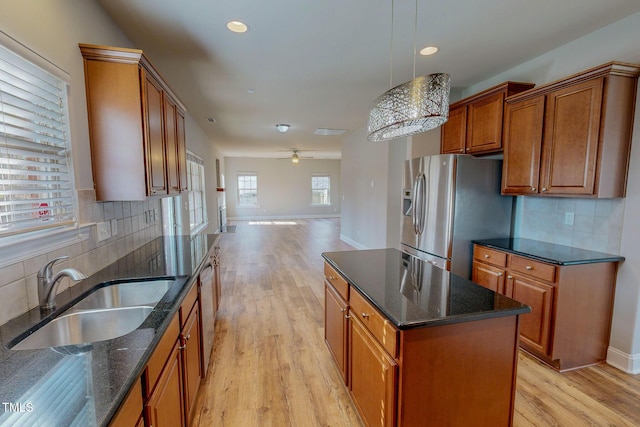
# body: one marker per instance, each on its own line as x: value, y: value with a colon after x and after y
x: 106, y: 313
x: 88, y: 326
x: 126, y: 294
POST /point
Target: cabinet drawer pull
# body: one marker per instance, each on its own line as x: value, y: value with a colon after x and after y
x: 332, y: 278
x: 528, y: 267
x: 487, y: 256
x: 365, y: 316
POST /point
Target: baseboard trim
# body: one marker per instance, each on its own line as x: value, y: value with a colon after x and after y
x: 279, y: 217
x: 629, y: 363
x: 352, y: 242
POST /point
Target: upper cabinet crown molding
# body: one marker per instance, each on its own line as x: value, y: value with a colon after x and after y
x: 136, y: 126
x: 475, y: 123
x: 572, y: 137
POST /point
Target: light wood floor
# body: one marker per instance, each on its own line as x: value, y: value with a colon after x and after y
x: 271, y: 367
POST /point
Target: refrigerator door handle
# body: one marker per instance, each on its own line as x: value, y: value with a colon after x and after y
x: 423, y: 200
x: 414, y: 201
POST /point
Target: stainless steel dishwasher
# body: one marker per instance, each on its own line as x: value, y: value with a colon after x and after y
x: 208, y: 307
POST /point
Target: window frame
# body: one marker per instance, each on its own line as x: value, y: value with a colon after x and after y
x: 68, y: 220
x: 239, y: 198
x: 197, y: 193
x: 327, y: 189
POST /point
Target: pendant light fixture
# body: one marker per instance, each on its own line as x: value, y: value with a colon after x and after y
x: 413, y: 107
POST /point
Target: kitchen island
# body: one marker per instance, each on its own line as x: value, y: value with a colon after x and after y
x: 417, y: 345
x: 86, y: 384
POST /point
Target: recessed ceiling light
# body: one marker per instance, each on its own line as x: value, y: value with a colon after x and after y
x: 329, y: 132
x: 429, y: 50
x: 282, y: 128
x: 237, y: 26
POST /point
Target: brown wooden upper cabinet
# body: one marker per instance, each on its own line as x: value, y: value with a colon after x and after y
x: 136, y: 126
x: 475, y: 123
x: 571, y: 137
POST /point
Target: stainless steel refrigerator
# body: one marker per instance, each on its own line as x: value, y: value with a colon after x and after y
x: 449, y: 200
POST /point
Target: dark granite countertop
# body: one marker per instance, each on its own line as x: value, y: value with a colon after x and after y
x: 548, y: 252
x: 412, y: 293
x: 94, y: 379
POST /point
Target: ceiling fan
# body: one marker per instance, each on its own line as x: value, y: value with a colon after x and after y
x: 295, y: 158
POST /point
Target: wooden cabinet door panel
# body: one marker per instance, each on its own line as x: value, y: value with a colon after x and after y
x: 522, y: 146
x: 484, y: 124
x: 171, y: 143
x: 453, y: 132
x: 572, y: 131
x: 336, y: 327
x: 165, y: 406
x: 191, y: 358
x: 489, y: 277
x: 155, y: 149
x: 373, y: 377
x: 182, y: 152
x: 535, y: 327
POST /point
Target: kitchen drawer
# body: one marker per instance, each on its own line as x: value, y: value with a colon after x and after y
x: 533, y: 268
x: 187, y: 304
x: 161, y: 354
x: 376, y: 323
x: 489, y: 256
x: 336, y: 281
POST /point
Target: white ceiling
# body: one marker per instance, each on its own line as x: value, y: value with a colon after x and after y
x: 320, y: 63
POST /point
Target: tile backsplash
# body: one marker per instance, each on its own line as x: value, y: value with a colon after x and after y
x: 137, y: 224
x: 597, y: 223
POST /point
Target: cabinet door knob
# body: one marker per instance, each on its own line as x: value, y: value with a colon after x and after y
x: 468, y: 149
x: 346, y: 316
x: 509, y: 277
x: 365, y: 316
x: 500, y: 274
x: 528, y: 267
x: 342, y: 310
x: 544, y: 189
x: 332, y: 278
x: 487, y: 256
x: 533, y: 189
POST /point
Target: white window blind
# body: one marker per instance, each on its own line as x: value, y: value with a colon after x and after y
x: 197, y: 200
x: 36, y: 190
x: 320, y: 189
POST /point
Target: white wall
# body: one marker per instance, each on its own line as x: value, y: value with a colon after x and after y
x: 607, y: 225
x: 284, y: 189
x: 53, y: 29
x: 619, y: 42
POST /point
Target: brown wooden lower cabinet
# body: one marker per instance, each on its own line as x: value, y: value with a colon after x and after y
x: 191, y: 355
x: 460, y: 374
x: 130, y: 413
x: 372, y: 377
x: 173, y: 374
x: 571, y: 305
x: 166, y: 403
x: 336, y: 324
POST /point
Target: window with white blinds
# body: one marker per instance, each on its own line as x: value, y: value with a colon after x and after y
x: 36, y: 189
x: 197, y: 198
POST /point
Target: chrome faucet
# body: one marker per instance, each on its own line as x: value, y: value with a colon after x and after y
x: 48, y: 283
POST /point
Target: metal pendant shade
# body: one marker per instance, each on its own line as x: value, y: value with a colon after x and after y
x: 413, y: 107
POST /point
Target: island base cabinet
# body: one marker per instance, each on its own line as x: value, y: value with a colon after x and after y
x: 462, y: 374
x: 336, y: 327
x: 372, y: 378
